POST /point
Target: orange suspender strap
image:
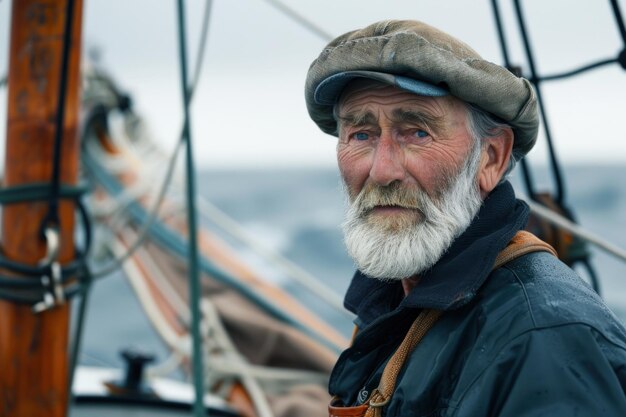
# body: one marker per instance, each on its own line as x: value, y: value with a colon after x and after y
x: 522, y: 243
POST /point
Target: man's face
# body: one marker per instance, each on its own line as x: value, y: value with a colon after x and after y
x: 409, y: 165
x: 389, y: 135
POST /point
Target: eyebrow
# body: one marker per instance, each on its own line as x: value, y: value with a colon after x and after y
x: 432, y: 122
x: 358, y: 118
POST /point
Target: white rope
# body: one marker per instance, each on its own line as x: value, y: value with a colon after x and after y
x: 293, y: 271
x: 560, y: 221
x: 168, y: 366
x: 285, y: 376
x: 181, y: 345
x: 223, y: 359
x: 237, y: 364
x: 141, y: 142
x: 135, y: 277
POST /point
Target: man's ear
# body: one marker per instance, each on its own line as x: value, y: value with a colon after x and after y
x: 495, y: 160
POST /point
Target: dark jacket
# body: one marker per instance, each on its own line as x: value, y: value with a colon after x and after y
x: 528, y: 339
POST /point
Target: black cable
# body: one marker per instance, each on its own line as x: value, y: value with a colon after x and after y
x: 593, y: 277
x: 28, y: 288
x: 578, y: 70
x: 501, y: 35
x: 37, y: 192
x: 618, y: 18
x: 52, y: 217
x: 556, y: 171
x: 26, y: 193
x: 528, y: 180
x: 34, y: 297
x: 86, y: 281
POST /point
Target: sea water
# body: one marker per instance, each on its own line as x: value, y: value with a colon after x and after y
x: 298, y: 214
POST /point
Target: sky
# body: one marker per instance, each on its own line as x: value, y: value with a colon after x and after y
x: 249, y: 108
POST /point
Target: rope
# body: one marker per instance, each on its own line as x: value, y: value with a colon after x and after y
x: 201, y: 48
x: 52, y: 217
x: 49, y: 288
x: 152, y: 216
x: 37, y: 192
x: 194, y: 278
x: 619, y: 20
x: 528, y: 180
x: 578, y: 70
x: 381, y: 395
x: 152, y: 310
x: 298, y: 18
x: 175, y: 244
x: 562, y: 222
x: 180, y: 345
x: 292, y: 270
x: 171, y: 164
x: 223, y: 360
x: 554, y: 163
x: 46, y: 284
x: 87, y: 280
x: 239, y: 366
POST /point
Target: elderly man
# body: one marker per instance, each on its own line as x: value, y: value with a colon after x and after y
x: 459, y: 313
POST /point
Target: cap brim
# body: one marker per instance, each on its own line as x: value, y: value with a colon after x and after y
x: 329, y: 90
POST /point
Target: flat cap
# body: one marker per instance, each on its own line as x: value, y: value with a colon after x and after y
x: 417, y: 51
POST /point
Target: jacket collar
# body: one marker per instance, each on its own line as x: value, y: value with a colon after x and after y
x: 454, y: 280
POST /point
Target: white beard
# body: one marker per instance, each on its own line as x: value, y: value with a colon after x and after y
x: 408, y: 244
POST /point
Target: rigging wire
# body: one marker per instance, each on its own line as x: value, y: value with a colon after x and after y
x: 174, y: 243
x: 293, y: 270
x: 619, y: 20
x: 212, y: 329
x: 204, y: 32
x: 303, y: 21
x: 528, y: 180
x: 536, y: 79
x: 117, y: 262
x: 194, y: 276
x: 579, y: 70
x: 575, y: 229
x: 206, y: 267
x: 556, y: 170
x: 52, y: 217
x: 78, y: 332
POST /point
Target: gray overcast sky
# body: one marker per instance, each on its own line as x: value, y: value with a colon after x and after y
x: 249, y: 109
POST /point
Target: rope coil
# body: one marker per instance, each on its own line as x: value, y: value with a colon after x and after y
x: 48, y: 283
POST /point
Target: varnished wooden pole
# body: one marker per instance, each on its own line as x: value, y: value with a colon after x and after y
x: 34, y: 347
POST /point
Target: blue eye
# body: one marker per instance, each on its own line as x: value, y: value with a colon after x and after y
x: 361, y: 136
x: 421, y: 133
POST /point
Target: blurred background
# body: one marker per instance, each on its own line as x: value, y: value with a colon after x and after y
x: 261, y: 159
x: 249, y: 109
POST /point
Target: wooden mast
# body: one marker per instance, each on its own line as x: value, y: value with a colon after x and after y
x: 34, y: 347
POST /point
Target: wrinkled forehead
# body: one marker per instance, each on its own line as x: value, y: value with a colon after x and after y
x: 362, y: 85
x: 361, y: 94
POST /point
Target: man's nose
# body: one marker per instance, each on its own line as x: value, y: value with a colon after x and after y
x: 388, y: 163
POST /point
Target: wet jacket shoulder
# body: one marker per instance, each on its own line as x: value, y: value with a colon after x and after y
x: 528, y: 339
x: 543, y: 344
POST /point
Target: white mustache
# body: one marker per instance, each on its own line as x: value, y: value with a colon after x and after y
x: 394, y: 195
